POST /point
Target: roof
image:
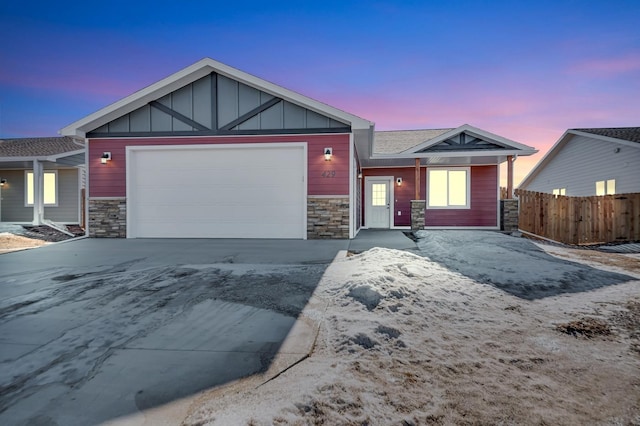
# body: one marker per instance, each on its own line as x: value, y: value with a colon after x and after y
x: 631, y: 134
x: 39, y: 147
x: 401, y: 147
x: 397, y: 141
x: 189, y: 75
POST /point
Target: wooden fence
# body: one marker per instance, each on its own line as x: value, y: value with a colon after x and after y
x: 503, y: 193
x: 580, y: 220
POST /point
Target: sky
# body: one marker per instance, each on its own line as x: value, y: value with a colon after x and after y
x: 525, y: 70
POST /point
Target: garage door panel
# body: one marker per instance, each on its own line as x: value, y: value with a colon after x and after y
x: 208, y: 177
x: 169, y: 214
x: 195, y: 230
x: 216, y: 195
x: 217, y: 192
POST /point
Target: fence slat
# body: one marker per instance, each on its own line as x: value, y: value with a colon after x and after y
x: 580, y: 220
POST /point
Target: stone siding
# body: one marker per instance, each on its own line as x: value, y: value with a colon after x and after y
x: 108, y: 218
x: 509, y: 215
x: 417, y: 214
x: 327, y: 218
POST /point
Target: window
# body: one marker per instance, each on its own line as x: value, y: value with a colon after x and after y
x: 560, y: 191
x: 50, y: 188
x: 379, y: 194
x: 448, y: 188
x: 606, y: 187
x: 611, y: 186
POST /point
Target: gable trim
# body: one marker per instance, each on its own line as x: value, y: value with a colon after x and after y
x: 604, y: 138
x: 192, y: 73
x: 186, y: 133
x: 178, y: 116
x: 516, y: 148
x: 249, y: 115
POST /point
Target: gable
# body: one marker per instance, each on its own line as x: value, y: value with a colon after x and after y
x: 581, y: 156
x: 580, y: 161
x: 463, y: 142
x: 218, y: 105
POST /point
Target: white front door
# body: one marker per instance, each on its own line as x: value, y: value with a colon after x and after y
x: 379, y: 199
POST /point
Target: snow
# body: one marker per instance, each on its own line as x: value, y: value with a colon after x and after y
x: 404, y: 339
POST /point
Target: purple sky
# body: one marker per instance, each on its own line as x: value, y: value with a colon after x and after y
x: 524, y: 70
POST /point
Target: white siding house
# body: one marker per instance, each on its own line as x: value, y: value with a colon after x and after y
x: 586, y: 162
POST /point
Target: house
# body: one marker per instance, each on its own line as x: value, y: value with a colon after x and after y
x: 41, y: 180
x: 212, y: 151
x: 586, y: 162
x: 448, y: 177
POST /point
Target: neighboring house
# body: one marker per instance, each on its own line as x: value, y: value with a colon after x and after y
x: 40, y: 180
x: 586, y: 162
x: 212, y: 151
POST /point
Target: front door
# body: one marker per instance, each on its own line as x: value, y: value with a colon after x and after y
x: 378, y: 199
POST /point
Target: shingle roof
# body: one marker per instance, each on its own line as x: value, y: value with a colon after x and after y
x: 38, y: 147
x: 396, y: 141
x: 631, y: 134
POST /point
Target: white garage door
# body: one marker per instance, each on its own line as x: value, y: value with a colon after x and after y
x: 217, y: 191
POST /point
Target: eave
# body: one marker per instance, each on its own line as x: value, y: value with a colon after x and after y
x: 11, y: 162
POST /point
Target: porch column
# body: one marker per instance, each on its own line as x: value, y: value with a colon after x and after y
x: 510, y: 161
x: 38, y: 193
x: 418, y: 206
x: 417, y: 180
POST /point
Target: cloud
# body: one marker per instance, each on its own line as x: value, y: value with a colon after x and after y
x: 608, y: 67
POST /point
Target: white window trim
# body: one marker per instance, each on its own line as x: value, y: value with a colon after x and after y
x: 26, y: 188
x: 467, y: 206
x: 607, y: 187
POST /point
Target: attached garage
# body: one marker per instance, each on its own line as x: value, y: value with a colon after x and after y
x: 217, y: 191
x: 214, y: 152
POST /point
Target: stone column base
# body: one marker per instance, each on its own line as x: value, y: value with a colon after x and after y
x: 509, y: 215
x: 108, y: 217
x: 327, y: 218
x: 418, y: 208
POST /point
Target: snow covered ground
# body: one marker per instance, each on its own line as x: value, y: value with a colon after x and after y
x: 404, y: 340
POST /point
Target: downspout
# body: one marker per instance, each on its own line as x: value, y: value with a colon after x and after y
x: 352, y: 195
x: 38, y: 193
x: 510, y: 160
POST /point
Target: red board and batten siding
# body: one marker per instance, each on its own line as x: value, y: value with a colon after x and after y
x: 484, y: 203
x: 324, y: 177
x: 484, y: 198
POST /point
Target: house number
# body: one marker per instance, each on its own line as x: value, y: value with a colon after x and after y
x: 329, y: 174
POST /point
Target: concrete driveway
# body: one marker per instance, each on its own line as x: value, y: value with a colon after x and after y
x: 515, y: 265
x: 93, y: 330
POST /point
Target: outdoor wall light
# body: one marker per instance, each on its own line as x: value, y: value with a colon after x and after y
x: 359, y: 175
x: 106, y: 156
x: 328, y: 152
x: 399, y: 181
x: 3, y: 182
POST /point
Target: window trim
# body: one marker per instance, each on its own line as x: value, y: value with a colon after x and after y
x: 26, y: 188
x: 467, y: 206
x: 606, y: 186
